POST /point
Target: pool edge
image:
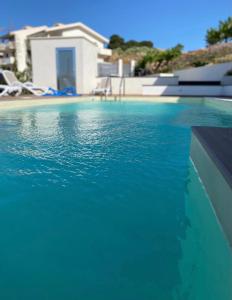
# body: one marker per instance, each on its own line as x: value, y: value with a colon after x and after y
x: 216, y: 183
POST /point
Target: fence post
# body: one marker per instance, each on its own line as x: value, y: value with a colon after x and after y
x: 132, y: 67
x: 120, y: 67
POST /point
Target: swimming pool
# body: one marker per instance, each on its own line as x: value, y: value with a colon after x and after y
x: 99, y: 200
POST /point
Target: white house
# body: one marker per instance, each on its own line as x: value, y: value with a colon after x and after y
x: 62, y: 55
x: 67, y: 55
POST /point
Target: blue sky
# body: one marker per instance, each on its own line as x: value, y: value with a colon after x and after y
x: 166, y: 23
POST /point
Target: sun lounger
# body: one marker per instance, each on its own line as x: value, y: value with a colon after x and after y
x: 6, y: 90
x: 12, y: 81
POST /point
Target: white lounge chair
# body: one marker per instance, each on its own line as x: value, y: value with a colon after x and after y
x: 12, y: 81
x: 6, y: 90
x: 103, y: 87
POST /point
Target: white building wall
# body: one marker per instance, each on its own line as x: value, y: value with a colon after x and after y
x: 44, y: 62
x: 20, y: 38
x: 89, y: 66
x: 81, y: 33
x: 20, y: 51
x: 206, y: 73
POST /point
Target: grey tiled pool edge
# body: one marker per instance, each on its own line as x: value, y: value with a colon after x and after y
x: 211, y: 153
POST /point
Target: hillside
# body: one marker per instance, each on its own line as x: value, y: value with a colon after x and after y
x: 134, y: 53
x: 214, y: 54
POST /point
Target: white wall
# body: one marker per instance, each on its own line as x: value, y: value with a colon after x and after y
x: 226, y: 80
x: 20, y: 38
x: 187, y: 90
x: 89, y: 67
x: 206, y: 73
x: 134, y: 85
x: 227, y: 91
x: 44, y: 62
x: 81, y: 33
x: 182, y: 90
x: 20, y: 51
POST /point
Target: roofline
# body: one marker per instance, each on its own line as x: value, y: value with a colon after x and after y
x: 41, y: 38
x: 81, y: 25
x: 38, y: 28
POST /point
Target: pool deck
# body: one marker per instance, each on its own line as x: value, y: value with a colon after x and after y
x: 212, y: 157
x: 7, y: 103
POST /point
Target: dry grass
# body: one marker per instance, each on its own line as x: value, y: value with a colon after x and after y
x: 214, y: 54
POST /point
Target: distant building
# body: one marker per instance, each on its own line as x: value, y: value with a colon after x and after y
x: 14, y: 48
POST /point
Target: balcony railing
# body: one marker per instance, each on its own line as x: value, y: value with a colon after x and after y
x: 7, y: 46
x: 105, y: 52
x: 5, y: 61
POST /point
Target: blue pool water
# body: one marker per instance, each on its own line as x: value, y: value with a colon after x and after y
x: 100, y: 201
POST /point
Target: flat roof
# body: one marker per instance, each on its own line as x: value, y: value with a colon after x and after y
x: 81, y: 26
x: 50, y: 38
x: 59, y: 27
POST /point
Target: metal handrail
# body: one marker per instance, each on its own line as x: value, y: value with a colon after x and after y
x: 122, y: 87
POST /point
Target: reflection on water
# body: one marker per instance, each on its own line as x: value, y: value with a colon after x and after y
x: 206, y: 263
x: 99, y: 201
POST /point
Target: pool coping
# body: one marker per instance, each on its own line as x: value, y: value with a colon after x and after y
x: 211, y: 155
x: 8, y: 103
x: 217, y: 141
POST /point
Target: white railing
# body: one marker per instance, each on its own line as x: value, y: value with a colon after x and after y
x: 105, y: 52
x: 4, y: 61
x: 107, y: 69
x: 6, y: 46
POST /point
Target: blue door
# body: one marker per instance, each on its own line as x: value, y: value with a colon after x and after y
x: 66, y: 67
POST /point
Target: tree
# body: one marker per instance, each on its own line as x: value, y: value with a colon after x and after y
x: 173, y: 53
x: 148, y: 44
x: 157, y: 60
x: 221, y: 34
x: 133, y: 43
x: 225, y: 29
x: 116, y: 41
x: 130, y: 44
x: 148, y: 59
x: 213, y: 36
x: 166, y: 56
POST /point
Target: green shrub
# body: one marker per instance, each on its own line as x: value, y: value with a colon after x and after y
x: 199, y: 63
x: 229, y: 73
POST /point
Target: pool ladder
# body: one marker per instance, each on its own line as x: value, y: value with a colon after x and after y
x: 122, y: 88
x: 108, y: 84
x: 121, y: 91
